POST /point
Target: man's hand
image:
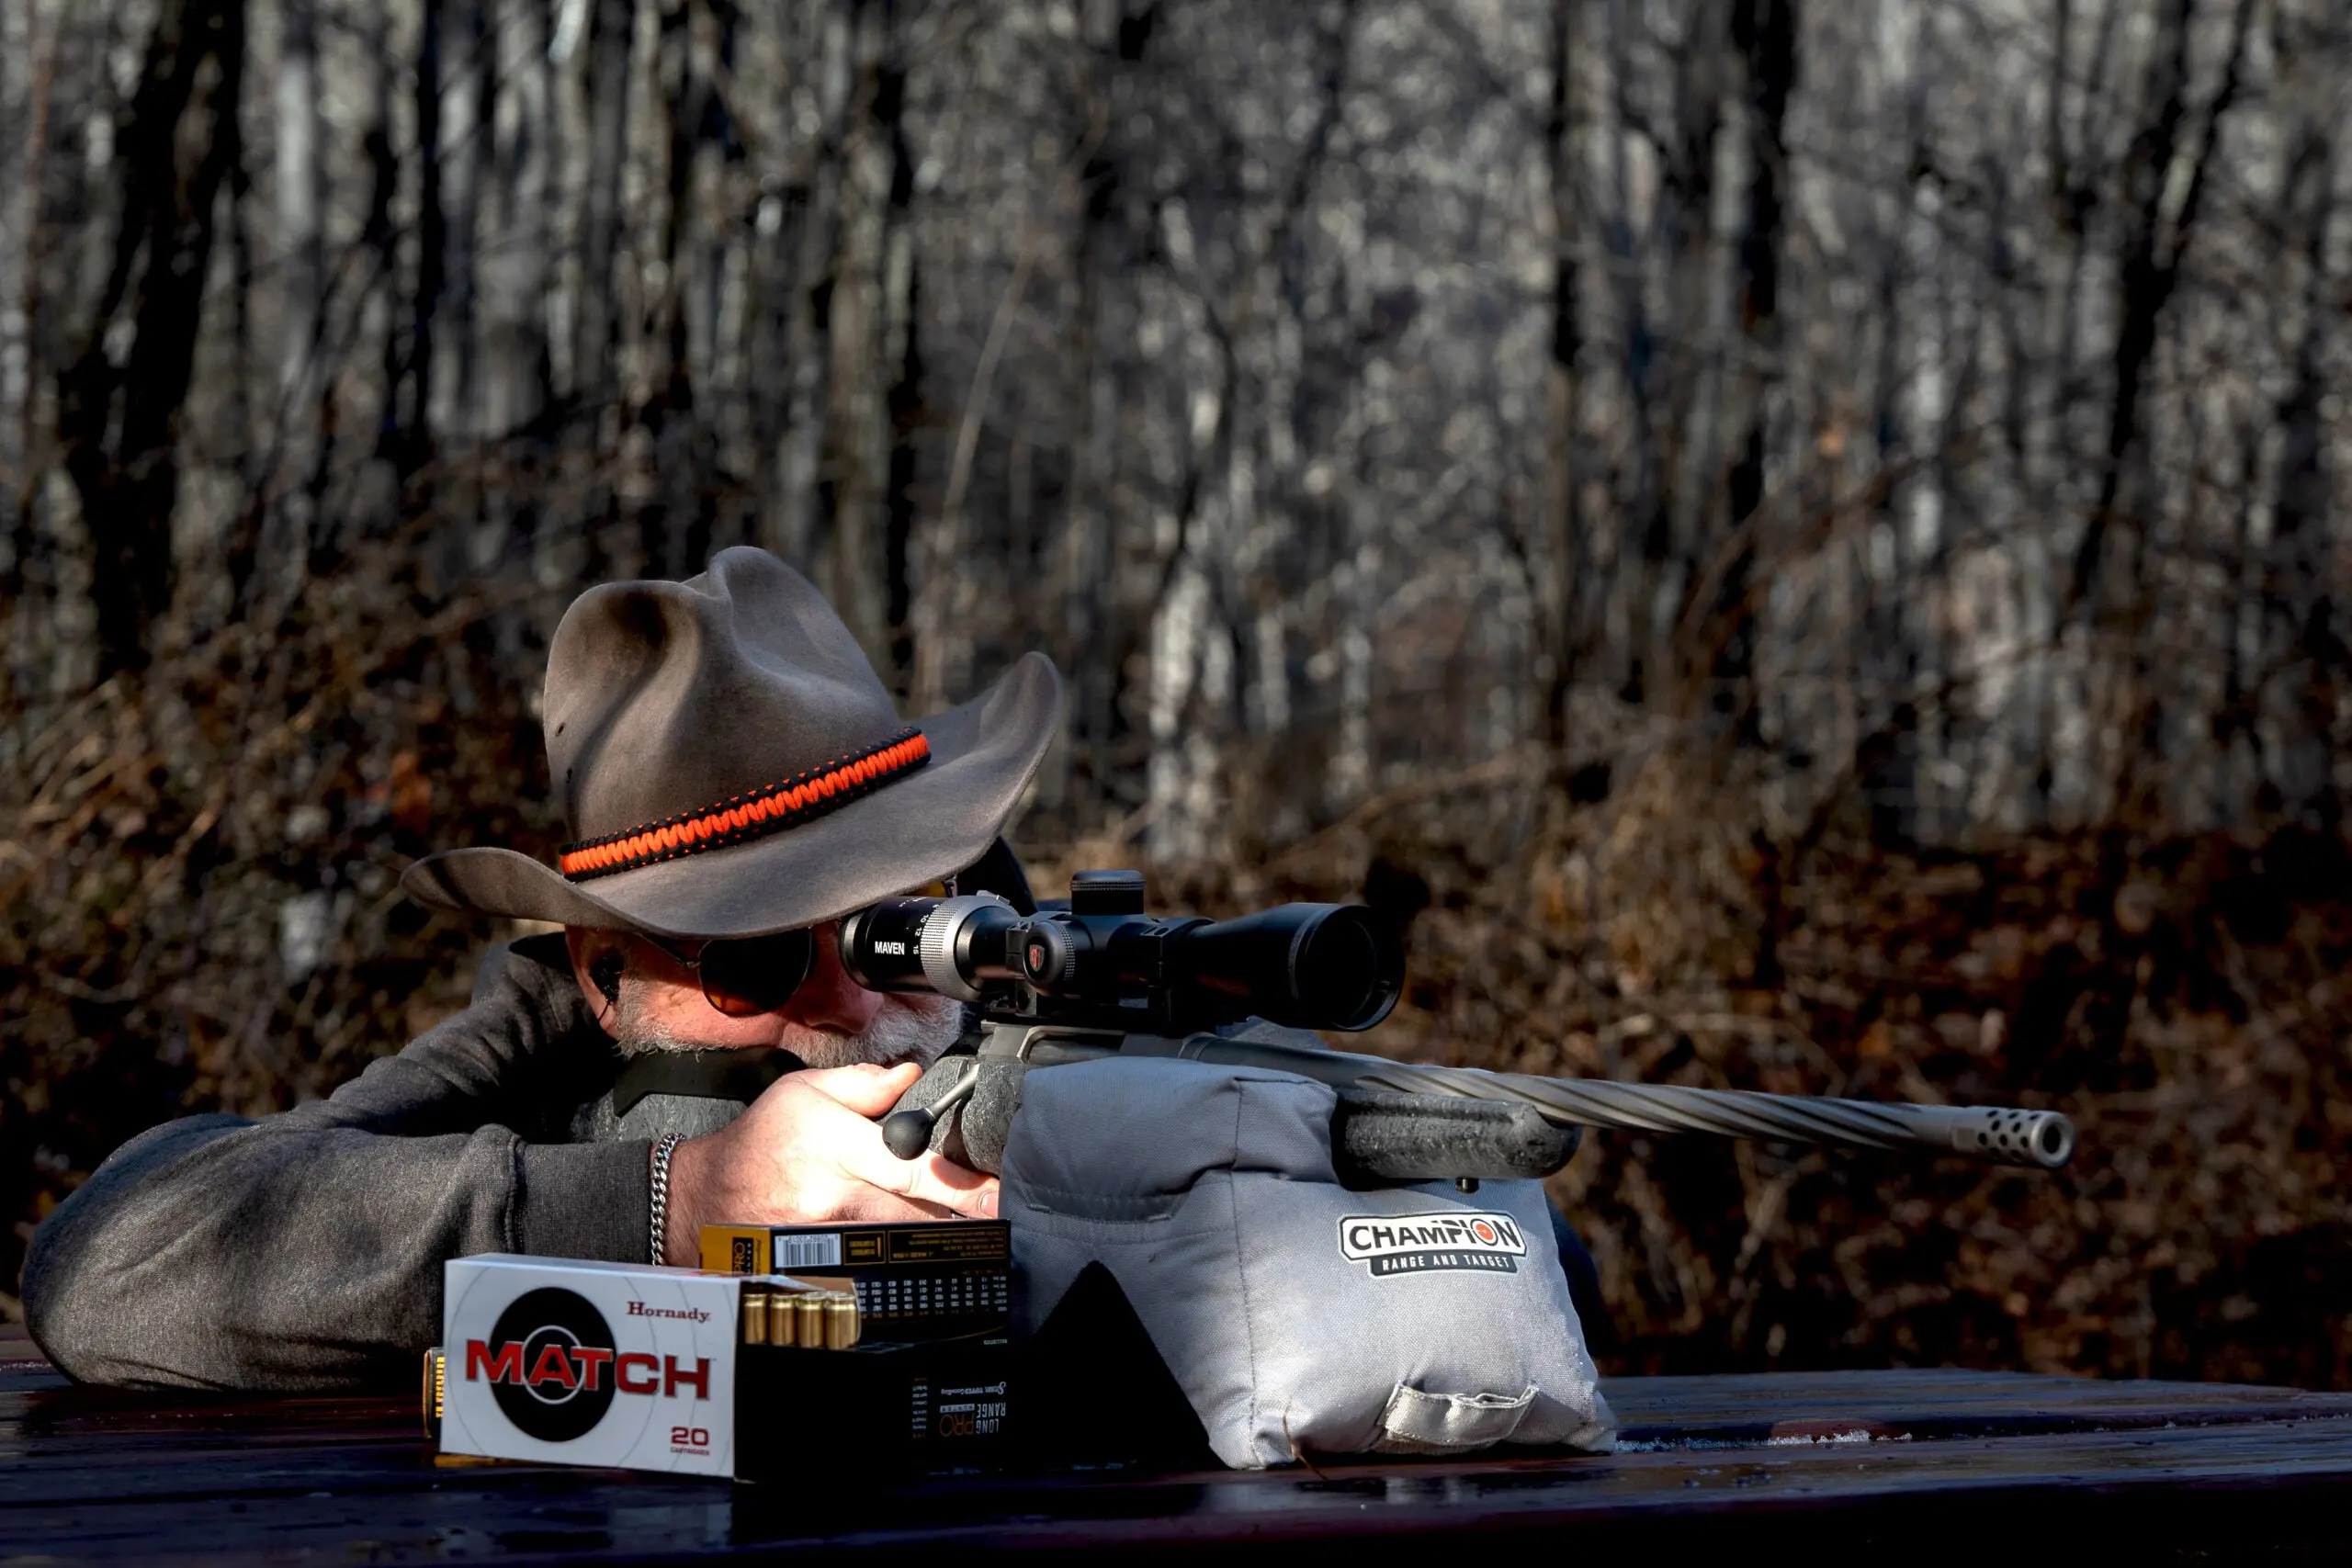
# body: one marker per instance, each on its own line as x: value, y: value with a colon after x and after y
x: 807, y: 1151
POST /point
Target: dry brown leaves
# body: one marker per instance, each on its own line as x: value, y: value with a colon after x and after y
x: 2181, y: 998
x: 201, y: 915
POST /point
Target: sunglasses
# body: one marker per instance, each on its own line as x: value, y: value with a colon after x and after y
x: 743, y: 976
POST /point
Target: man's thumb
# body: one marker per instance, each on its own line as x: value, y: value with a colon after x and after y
x: 867, y: 1089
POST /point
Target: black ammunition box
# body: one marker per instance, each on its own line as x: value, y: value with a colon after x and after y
x: 914, y: 1280
x: 937, y: 1404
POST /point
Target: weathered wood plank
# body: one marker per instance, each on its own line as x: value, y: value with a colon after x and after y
x: 1941, y: 1402
x: 1923, y: 1457
x: 531, y: 1510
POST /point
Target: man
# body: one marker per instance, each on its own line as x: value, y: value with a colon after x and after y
x: 736, y: 778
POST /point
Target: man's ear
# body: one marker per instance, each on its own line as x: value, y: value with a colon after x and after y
x: 598, y: 961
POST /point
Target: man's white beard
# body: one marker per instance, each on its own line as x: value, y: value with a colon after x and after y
x: 906, y: 1028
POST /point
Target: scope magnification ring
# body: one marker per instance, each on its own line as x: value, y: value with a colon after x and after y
x: 936, y: 945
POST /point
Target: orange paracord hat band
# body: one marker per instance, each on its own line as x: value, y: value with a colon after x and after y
x: 751, y: 816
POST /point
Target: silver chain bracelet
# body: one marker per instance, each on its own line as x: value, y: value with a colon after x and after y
x: 661, y: 1153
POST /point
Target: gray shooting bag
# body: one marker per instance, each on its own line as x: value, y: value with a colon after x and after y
x: 1296, y: 1316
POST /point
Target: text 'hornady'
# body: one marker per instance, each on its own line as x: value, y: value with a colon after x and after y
x: 691, y: 1315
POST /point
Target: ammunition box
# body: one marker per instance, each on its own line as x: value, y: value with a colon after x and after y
x: 684, y: 1370
x: 913, y: 1280
x: 937, y: 1404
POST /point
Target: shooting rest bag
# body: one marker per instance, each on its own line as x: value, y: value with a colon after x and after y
x: 1298, y: 1317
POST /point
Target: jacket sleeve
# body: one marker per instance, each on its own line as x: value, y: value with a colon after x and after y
x: 303, y: 1251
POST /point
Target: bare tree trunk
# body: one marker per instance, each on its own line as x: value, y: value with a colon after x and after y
x: 1096, y: 643
x: 300, y: 460
x: 853, y: 558
x: 465, y: 64
x: 798, y: 523
x: 1765, y: 32
x: 874, y: 372
x: 2155, y: 246
x: 19, y: 23
x: 720, y: 304
x: 120, y: 409
x: 410, y: 429
x: 27, y: 74
x: 904, y: 405
x: 455, y: 154
x: 514, y: 266
x: 1641, y: 489
x: 1351, y: 775
x: 2305, y: 635
x: 1561, y: 633
x: 1266, y: 485
x: 516, y: 375
x: 594, y: 388
x: 383, y: 311
x: 1688, y: 516
x: 2164, y: 179
x: 674, y: 513
x: 2043, y: 378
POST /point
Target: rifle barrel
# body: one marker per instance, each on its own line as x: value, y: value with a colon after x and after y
x: 1999, y: 1134
x: 2043, y: 1138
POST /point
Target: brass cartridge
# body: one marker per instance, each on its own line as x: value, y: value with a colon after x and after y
x: 755, y: 1317
x: 784, y: 1319
x: 809, y: 1321
x: 436, y: 1376
x: 840, y: 1320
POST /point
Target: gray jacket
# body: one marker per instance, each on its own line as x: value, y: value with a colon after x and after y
x: 304, y: 1250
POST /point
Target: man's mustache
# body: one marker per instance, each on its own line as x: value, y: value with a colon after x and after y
x: 904, y: 1029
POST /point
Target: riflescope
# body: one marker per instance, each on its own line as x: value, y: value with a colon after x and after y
x: 1104, y: 963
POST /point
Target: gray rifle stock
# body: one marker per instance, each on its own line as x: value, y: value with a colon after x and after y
x: 1401, y: 1123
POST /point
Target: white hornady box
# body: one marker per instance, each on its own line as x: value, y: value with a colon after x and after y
x: 589, y: 1363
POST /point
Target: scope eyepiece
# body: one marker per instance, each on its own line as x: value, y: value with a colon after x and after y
x: 1103, y: 963
x: 953, y: 946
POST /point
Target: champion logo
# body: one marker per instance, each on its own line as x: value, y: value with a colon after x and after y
x: 1394, y: 1244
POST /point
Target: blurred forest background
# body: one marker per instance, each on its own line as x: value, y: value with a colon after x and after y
x: 1804, y: 541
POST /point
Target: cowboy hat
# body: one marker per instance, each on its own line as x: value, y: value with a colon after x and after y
x: 729, y: 765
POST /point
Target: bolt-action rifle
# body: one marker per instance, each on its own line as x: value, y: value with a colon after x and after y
x: 1102, y: 978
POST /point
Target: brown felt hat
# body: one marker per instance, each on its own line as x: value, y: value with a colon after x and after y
x: 731, y: 765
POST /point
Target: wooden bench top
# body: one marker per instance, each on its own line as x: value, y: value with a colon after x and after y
x: 1935, y: 1464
